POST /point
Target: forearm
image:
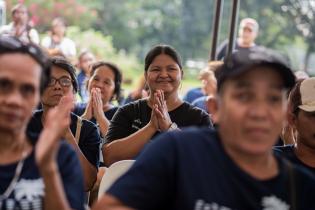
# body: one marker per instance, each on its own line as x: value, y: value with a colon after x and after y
x: 128, y: 147
x: 89, y: 171
x: 103, y: 125
x: 55, y: 197
x: 108, y: 202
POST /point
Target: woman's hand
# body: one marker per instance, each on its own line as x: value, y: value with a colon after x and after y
x: 98, y: 112
x: 161, y: 111
x: 88, y: 112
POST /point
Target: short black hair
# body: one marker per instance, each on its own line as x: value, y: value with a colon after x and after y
x: 12, y: 45
x: 117, y: 72
x: 63, y: 63
x: 161, y: 49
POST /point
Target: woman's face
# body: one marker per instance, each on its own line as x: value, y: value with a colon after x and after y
x: 163, y: 74
x: 304, y: 124
x: 104, y: 79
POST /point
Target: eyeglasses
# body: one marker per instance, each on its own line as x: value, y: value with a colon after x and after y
x: 63, y: 81
x: 11, y: 44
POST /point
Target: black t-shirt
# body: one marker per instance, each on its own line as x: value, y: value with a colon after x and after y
x: 135, y: 115
x: 223, y: 48
x: 191, y: 170
x: 29, y: 191
x: 89, y: 141
x: 288, y: 152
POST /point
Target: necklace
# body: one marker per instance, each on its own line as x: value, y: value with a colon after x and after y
x: 17, y: 174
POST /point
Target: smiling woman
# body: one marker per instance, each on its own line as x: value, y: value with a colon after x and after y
x: 136, y: 123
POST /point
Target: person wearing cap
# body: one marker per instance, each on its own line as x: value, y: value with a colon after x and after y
x: 37, y: 176
x: 232, y: 167
x: 20, y: 26
x: 82, y: 134
x: 247, y: 34
x: 301, y: 117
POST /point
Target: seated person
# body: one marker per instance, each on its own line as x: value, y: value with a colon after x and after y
x: 81, y: 134
x: 232, y: 167
x: 208, y: 85
x: 135, y: 124
x: 104, y: 86
x: 301, y: 117
x: 45, y: 175
x: 86, y: 58
x: 247, y: 34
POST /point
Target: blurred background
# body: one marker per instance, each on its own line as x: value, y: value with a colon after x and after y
x: 122, y: 31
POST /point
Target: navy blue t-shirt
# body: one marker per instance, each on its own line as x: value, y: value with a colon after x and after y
x: 288, y: 152
x: 89, y: 141
x: 80, y: 108
x: 190, y: 170
x: 29, y: 191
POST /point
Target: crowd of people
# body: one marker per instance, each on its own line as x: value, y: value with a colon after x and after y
x: 216, y: 148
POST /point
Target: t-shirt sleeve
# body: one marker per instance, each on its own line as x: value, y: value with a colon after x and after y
x: 89, y: 143
x: 150, y: 182
x: 121, y: 124
x: 71, y: 175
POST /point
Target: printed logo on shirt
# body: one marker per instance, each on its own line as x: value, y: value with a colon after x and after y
x: 137, y: 124
x: 274, y: 203
x: 202, y: 205
x: 28, y: 194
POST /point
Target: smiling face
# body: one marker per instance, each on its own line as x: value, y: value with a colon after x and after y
x: 251, y: 111
x: 104, y: 79
x: 53, y: 93
x: 163, y: 74
x: 19, y: 95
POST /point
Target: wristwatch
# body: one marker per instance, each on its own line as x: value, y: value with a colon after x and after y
x: 173, y: 127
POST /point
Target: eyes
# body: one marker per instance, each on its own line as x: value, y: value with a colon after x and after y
x: 157, y: 69
x: 248, y: 96
x: 7, y: 86
x: 107, y: 82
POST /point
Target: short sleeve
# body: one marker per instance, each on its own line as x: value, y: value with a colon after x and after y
x: 150, y: 182
x: 121, y: 124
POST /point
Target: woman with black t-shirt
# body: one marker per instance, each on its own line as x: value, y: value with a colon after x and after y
x: 136, y: 123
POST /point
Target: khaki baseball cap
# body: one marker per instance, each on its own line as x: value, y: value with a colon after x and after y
x: 307, y: 90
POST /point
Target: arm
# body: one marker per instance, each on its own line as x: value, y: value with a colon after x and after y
x: 89, y: 171
x: 130, y: 146
x: 109, y: 202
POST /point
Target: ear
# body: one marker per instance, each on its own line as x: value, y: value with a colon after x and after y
x: 212, y: 107
x: 182, y: 73
x: 291, y: 118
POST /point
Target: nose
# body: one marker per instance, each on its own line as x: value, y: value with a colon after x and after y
x: 259, y: 111
x: 163, y: 73
x: 14, y: 98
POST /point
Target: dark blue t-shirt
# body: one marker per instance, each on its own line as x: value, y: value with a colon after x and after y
x: 80, y: 108
x: 190, y: 170
x: 89, y: 141
x: 29, y: 191
x: 288, y: 152
x: 193, y: 94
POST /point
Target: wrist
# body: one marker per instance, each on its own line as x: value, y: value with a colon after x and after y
x: 173, y: 127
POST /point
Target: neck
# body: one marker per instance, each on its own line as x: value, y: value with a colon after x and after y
x: 12, y: 145
x: 241, y: 43
x: 261, y: 167
x: 107, y: 106
x: 305, y: 153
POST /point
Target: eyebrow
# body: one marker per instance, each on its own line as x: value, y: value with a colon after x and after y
x: 245, y: 85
